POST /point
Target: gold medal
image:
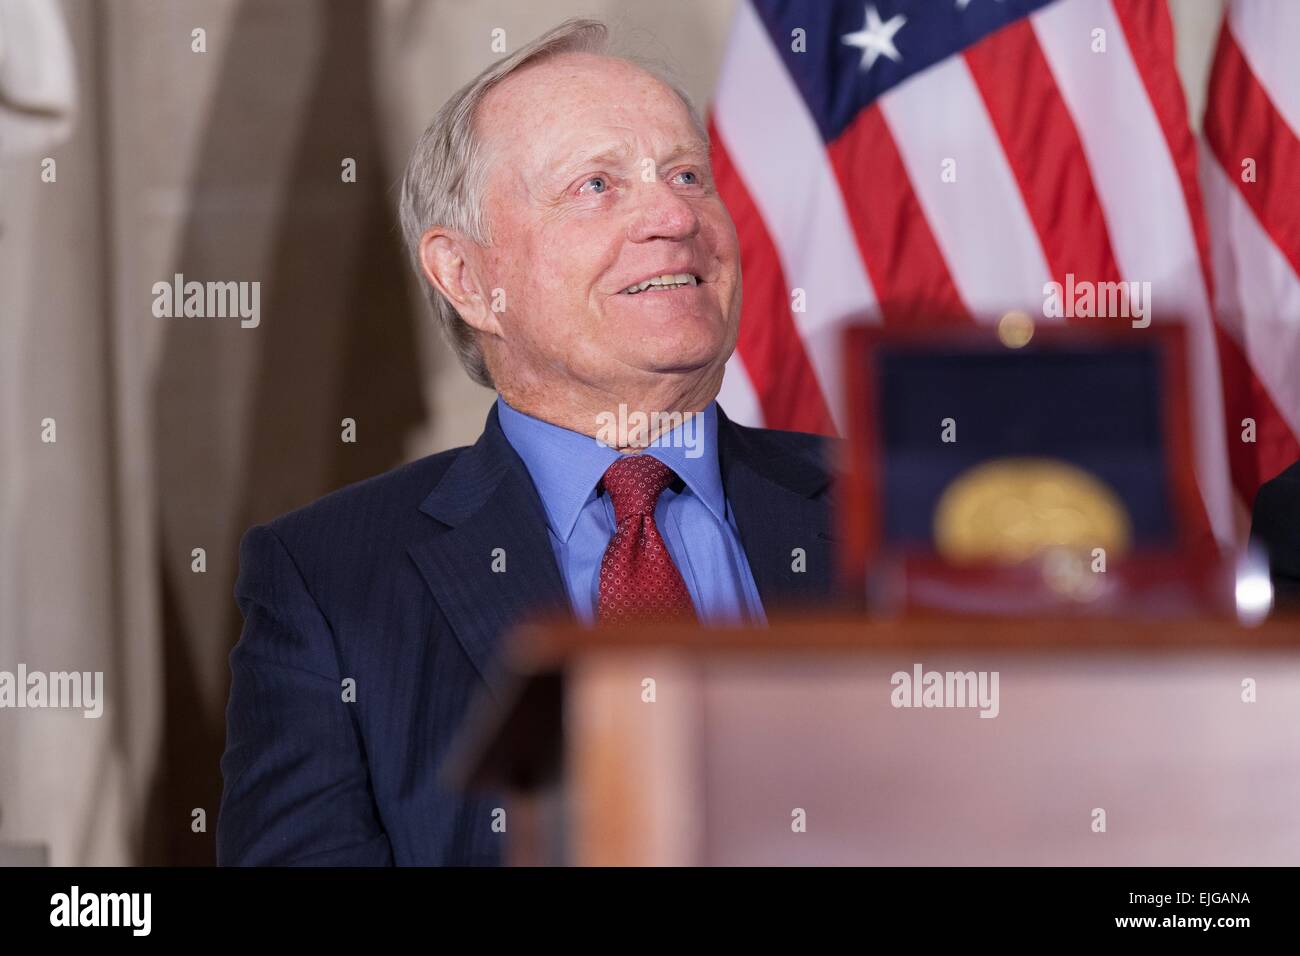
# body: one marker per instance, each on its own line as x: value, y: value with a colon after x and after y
x: 1011, y: 509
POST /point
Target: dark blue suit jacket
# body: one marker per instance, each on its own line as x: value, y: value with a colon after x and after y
x: 1275, y: 525
x: 389, y: 582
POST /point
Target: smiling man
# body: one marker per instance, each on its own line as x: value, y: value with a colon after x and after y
x: 562, y: 211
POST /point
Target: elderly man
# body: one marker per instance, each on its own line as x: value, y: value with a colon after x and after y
x: 562, y: 210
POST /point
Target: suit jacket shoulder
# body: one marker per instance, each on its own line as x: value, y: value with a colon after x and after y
x: 819, y: 451
x: 379, y: 505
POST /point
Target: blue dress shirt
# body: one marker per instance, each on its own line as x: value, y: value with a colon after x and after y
x: 696, y: 522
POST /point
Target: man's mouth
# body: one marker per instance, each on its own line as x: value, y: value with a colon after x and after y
x: 662, y: 283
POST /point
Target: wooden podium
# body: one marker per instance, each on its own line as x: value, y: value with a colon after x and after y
x: 1115, y: 742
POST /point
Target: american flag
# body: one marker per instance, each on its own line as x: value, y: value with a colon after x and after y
x: 944, y: 160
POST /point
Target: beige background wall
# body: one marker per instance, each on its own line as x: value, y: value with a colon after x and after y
x: 175, y: 434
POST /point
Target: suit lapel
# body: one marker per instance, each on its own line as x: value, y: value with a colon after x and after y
x: 488, y: 502
x: 781, y: 503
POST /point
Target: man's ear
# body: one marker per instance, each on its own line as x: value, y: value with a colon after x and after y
x: 447, y: 260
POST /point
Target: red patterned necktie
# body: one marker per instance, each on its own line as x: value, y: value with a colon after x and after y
x: 638, y: 580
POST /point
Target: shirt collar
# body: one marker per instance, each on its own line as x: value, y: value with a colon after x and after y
x: 566, y: 466
x: 691, y: 450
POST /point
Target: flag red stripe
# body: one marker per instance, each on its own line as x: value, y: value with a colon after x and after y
x: 907, y: 269
x: 1245, y: 396
x: 1241, y: 121
x: 769, y: 343
x: 1044, y: 152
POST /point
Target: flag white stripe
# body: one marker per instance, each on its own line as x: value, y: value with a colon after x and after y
x: 1259, y: 29
x: 980, y: 222
x: 1257, y: 291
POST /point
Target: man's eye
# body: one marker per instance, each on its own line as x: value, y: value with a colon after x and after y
x: 694, y: 178
x: 601, y: 184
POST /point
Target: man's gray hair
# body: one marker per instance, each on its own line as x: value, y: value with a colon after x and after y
x: 444, y: 179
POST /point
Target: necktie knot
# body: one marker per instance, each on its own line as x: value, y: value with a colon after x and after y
x: 634, y: 484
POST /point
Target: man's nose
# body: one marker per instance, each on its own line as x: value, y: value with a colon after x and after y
x: 662, y: 214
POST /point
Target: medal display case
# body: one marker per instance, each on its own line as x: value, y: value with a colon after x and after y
x: 1019, y: 469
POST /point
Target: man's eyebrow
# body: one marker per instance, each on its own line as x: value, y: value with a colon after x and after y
x: 620, y: 153
x: 557, y: 165
x: 684, y: 150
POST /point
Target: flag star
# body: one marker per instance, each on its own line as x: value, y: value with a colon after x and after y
x: 876, y: 38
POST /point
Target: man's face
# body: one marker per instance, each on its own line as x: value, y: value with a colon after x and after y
x: 599, y: 181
